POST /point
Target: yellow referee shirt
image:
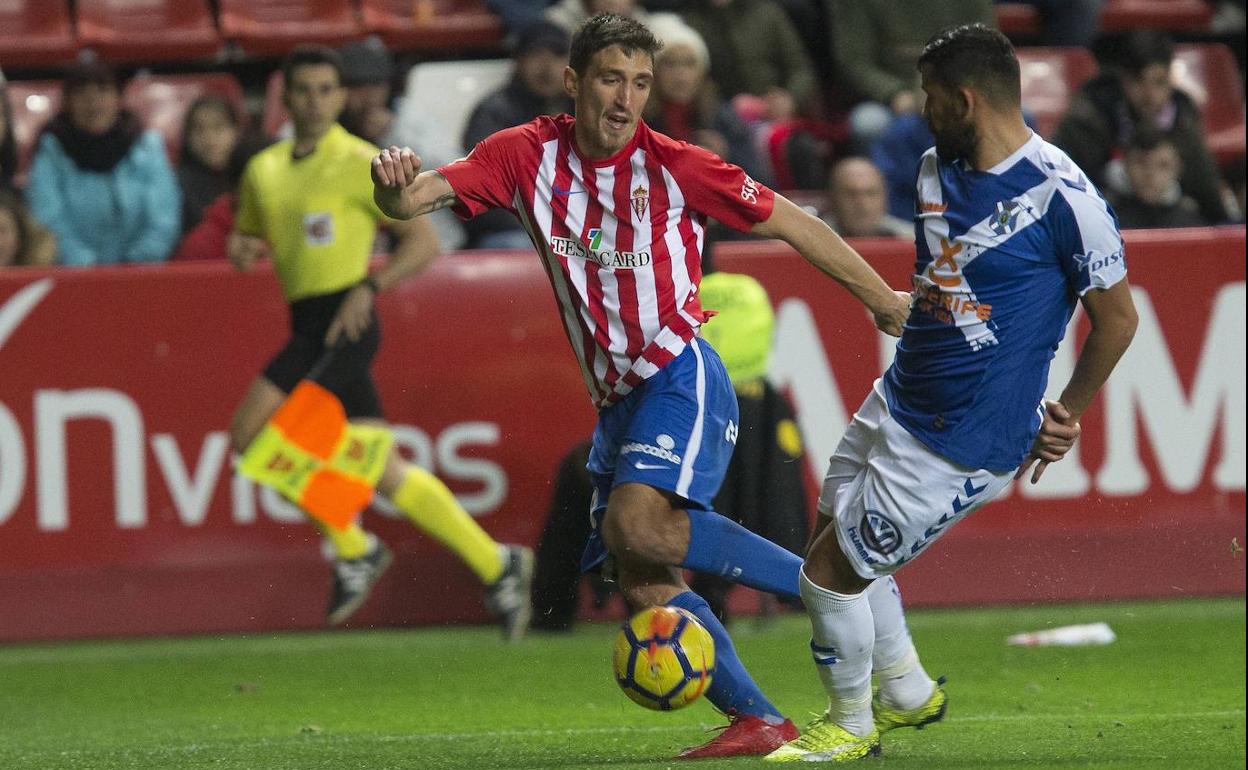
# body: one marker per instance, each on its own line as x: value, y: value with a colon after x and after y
x: 316, y: 213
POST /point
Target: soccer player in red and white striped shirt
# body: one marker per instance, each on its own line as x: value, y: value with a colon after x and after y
x: 618, y: 213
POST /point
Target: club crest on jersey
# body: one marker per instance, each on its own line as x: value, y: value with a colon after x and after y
x: 641, y: 199
x: 882, y: 535
x: 1006, y: 217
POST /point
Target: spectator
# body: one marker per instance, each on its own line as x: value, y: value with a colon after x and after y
x: 1133, y: 93
x: 367, y: 73
x: 858, y: 203
x: 759, y: 63
x: 536, y: 88
x: 896, y: 154
x: 571, y: 14
x: 99, y: 182
x: 1155, y: 199
x: 209, y: 136
x: 517, y: 14
x: 208, y: 239
x: 684, y: 104
x: 1067, y: 22
x: 23, y: 241
x: 876, y: 46
x: 1235, y: 178
x: 20, y: 242
x: 8, y: 143
x: 755, y: 50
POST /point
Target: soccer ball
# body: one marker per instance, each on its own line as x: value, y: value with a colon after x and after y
x: 664, y: 658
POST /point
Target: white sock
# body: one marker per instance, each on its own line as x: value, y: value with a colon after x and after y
x: 903, y: 682
x: 842, y: 637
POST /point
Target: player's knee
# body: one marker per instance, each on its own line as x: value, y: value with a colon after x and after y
x: 642, y: 596
x: 628, y: 534
x: 827, y: 566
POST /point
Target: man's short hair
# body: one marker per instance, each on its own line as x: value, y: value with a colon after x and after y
x: 302, y: 55
x: 975, y: 56
x: 608, y: 29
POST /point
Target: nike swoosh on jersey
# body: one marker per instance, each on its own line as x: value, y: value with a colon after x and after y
x: 564, y: 193
x: 649, y: 467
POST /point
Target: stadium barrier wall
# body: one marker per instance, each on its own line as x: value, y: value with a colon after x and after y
x: 119, y: 512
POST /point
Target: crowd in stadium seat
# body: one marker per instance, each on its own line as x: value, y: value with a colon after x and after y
x: 787, y: 89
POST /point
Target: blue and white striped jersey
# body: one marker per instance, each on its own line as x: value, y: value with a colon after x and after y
x: 1002, y: 257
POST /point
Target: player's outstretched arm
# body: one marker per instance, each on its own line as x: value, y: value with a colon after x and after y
x: 402, y: 190
x: 823, y: 248
x: 1113, y: 317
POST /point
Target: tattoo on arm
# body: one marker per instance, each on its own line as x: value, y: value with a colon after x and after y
x: 442, y: 201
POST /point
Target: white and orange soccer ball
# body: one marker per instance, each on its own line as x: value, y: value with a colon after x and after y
x: 664, y: 658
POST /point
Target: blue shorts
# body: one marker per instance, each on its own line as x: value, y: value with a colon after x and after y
x: 676, y: 431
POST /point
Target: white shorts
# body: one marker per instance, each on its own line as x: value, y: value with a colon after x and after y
x: 890, y: 496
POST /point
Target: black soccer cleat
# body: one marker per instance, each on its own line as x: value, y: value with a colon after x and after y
x: 354, y: 580
x: 509, y: 598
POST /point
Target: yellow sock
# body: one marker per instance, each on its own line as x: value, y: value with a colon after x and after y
x: 424, y: 499
x: 349, y: 543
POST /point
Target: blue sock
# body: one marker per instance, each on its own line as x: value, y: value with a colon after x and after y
x: 720, y: 546
x: 732, y: 688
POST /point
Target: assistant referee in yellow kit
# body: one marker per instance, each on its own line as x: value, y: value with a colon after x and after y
x: 307, y: 204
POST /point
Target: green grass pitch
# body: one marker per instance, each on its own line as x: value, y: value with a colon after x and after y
x: 1168, y: 694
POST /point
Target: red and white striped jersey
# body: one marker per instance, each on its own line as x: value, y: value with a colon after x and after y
x: 621, y: 237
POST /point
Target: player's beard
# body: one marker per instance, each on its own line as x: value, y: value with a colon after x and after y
x: 956, y: 141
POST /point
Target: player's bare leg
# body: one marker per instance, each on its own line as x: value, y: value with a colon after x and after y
x: 647, y: 534
x: 258, y: 405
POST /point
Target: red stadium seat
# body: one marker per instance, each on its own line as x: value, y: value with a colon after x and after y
x: 35, y: 32
x: 1209, y: 74
x: 1022, y: 20
x: 1172, y: 15
x: 1050, y: 78
x: 433, y: 24
x: 34, y: 102
x: 1018, y: 19
x: 161, y: 101
x: 272, y: 27
x: 148, y: 30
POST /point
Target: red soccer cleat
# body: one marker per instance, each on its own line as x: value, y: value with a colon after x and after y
x: 744, y: 736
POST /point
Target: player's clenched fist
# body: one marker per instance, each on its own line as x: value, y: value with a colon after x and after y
x: 396, y: 168
x: 394, y: 177
x: 891, y: 319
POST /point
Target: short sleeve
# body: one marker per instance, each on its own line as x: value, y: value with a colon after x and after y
x: 486, y: 179
x: 1090, y: 247
x: 247, y: 218
x: 720, y: 190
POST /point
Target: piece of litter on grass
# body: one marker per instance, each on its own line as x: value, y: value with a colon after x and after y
x: 1065, y: 636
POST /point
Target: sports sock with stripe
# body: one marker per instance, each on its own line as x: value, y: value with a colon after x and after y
x: 732, y: 688
x: 429, y: 505
x: 842, y: 638
x: 903, y: 682
x: 720, y: 546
